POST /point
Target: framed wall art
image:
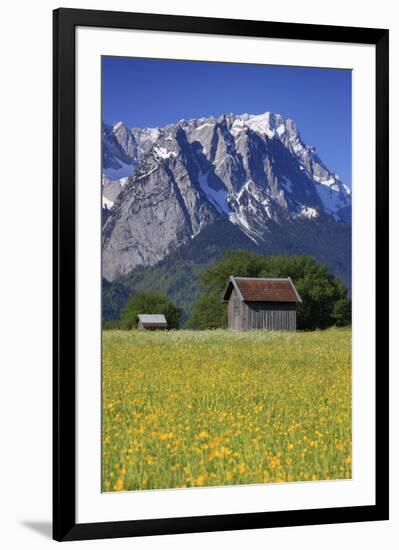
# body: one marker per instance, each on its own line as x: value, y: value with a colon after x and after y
x: 220, y: 274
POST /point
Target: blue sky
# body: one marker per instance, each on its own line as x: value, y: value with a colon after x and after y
x: 152, y: 92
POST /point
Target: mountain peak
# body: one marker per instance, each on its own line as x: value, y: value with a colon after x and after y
x: 251, y: 169
x: 118, y: 125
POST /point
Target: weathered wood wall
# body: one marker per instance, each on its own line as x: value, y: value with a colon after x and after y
x: 260, y: 315
x: 269, y: 316
x: 235, y: 311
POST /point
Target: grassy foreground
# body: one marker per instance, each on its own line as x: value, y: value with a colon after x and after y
x: 184, y: 409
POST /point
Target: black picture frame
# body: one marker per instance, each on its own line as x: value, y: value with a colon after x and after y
x: 65, y: 22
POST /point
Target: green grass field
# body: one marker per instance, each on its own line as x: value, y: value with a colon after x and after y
x: 184, y: 408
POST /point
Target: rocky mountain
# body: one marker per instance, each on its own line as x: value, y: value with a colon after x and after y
x: 122, y: 149
x: 163, y: 186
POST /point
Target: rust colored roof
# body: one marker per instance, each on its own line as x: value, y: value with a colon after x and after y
x: 263, y: 289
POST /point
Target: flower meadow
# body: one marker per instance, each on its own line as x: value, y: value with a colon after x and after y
x: 207, y: 408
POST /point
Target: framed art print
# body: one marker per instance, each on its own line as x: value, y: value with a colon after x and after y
x: 220, y: 274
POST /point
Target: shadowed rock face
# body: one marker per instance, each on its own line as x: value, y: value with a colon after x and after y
x: 253, y: 171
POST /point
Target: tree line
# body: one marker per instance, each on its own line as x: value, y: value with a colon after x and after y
x: 325, y: 300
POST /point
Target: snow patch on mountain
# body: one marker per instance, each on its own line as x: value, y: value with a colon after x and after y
x: 261, y: 123
x: 125, y: 170
x: 107, y: 203
x: 308, y: 212
x: 280, y: 130
x: 216, y: 196
x: 146, y: 174
x: 151, y: 134
x: 240, y: 219
x: 331, y: 199
x: 205, y: 125
x: 164, y: 153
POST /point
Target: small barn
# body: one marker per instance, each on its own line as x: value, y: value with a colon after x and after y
x: 152, y: 321
x: 261, y: 303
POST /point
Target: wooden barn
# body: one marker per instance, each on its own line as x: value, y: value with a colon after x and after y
x: 261, y: 303
x: 151, y: 321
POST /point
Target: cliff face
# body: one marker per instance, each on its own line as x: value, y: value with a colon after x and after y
x: 253, y: 171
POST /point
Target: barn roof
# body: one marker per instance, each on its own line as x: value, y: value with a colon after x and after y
x: 152, y: 319
x: 262, y: 289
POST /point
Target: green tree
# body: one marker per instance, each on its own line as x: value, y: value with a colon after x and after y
x: 150, y: 302
x: 324, y: 296
x: 208, y: 312
x: 342, y: 312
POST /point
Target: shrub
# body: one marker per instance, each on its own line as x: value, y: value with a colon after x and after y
x: 150, y: 302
